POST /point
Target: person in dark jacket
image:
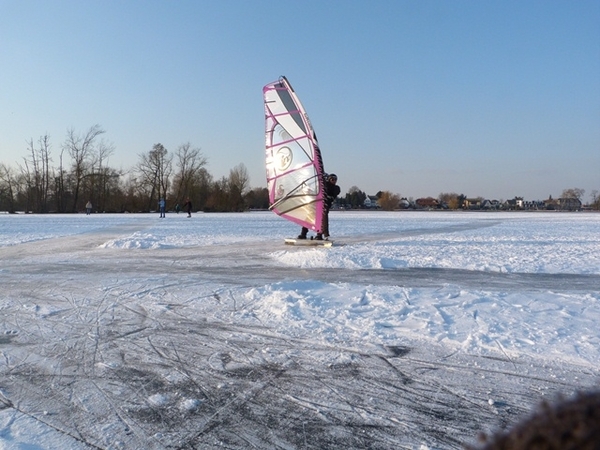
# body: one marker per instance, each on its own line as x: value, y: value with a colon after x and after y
x: 332, y: 190
x: 188, y: 206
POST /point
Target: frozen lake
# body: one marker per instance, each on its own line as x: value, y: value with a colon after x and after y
x: 415, y: 330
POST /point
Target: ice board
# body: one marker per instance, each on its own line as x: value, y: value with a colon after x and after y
x: 308, y: 242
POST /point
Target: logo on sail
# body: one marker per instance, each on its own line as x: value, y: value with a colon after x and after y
x: 284, y: 158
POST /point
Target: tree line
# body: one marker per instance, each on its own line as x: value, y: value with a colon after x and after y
x: 46, y: 182
x: 63, y: 182
x: 570, y: 199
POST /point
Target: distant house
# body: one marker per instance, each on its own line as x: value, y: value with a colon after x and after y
x: 473, y: 203
x: 404, y: 203
x: 490, y: 204
x: 515, y: 203
x: 519, y: 202
x: 551, y: 203
x: 371, y: 202
x: 534, y: 204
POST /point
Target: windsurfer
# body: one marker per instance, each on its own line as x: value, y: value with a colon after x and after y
x: 332, y: 190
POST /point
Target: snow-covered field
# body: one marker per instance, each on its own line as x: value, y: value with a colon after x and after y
x: 415, y: 330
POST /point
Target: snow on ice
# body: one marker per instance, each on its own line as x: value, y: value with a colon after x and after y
x: 415, y: 330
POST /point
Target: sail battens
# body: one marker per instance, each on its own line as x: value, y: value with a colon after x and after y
x: 284, y: 142
x: 286, y: 174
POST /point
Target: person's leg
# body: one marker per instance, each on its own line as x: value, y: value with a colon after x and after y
x: 326, y: 223
x: 303, y: 233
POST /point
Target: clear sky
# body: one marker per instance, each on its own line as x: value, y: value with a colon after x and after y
x: 486, y: 98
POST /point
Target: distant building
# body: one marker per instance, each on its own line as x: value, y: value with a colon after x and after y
x: 534, y: 204
x: 487, y: 205
x: 371, y: 202
x: 473, y: 203
x: 515, y: 203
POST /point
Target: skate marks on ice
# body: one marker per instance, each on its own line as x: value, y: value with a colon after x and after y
x: 143, y: 356
x: 124, y: 376
x: 387, y: 236
x: 248, y: 263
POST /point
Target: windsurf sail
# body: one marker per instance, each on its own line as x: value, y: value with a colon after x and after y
x: 293, y: 159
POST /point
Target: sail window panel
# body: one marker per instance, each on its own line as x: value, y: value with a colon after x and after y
x: 298, y: 183
x: 293, y: 108
x: 290, y: 126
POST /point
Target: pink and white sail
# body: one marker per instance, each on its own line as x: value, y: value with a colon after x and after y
x: 293, y: 159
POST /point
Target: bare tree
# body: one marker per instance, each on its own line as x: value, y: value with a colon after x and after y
x: 571, y: 199
x: 59, y: 185
x: 389, y: 201
x: 154, y: 171
x: 202, y: 188
x: 36, y: 173
x: 7, y: 188
x: 573, y: 193
x: 218, y: 198
x: 28, y: 179
x: 239, y: 177
x: 595, y: 199
x: 450, y: 199
x: 190, y: 161
x: 101, y: 177
x: 82, y: 150
x: 238, y: 184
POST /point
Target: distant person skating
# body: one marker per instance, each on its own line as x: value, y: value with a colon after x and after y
x: 161, y: 207
x: 332, y: 190
x: 88, y: 208
x: 188, y: 207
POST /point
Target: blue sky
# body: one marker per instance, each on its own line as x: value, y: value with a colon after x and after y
x: 486, y: 98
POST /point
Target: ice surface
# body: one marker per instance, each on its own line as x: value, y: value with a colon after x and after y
x: 416, y: 330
